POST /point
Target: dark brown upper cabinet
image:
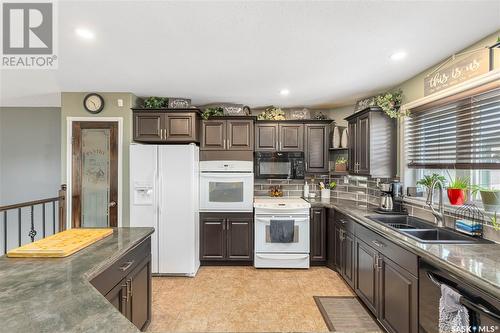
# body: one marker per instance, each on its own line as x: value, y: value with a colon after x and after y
x: 372, y: 143
x: 227, y: 134
x: 291, y: 137
x: 266, y: 136
x: 316, y: 147
x: 148, y: 127
x: 166, y: 125
x: 318, y: 234
x: 240, y: 134
x: 213, y: 134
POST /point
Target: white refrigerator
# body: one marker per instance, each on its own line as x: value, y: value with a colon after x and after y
x: 164, y: 183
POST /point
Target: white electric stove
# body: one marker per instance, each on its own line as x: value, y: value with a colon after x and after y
x: 272, y: 254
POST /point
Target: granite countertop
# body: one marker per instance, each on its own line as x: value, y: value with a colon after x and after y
x: 479, y: 264
x: 55, y: 295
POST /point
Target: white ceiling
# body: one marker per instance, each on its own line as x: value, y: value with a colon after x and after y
x: 324, y: 52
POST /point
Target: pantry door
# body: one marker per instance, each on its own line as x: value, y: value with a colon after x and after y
x: 94, y: 174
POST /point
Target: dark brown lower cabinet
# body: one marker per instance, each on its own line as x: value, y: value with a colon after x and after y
x: 348, y: 260
x: 226, y: 237
x: 127, y: 284
x: 387, y: 289
x: 330, y: 239
x: 344, y: 253
x: 317, y: 232
x: 382, y: 273
x: 398, y: 305
x: 366, y: 275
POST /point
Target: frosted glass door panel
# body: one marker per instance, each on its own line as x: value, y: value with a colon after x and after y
x: 95, y: 177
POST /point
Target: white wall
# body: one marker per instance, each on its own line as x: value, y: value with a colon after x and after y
x: 30, y: 159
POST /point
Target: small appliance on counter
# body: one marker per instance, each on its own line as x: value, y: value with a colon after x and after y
x: 391, y: 198
x: 281, y: 233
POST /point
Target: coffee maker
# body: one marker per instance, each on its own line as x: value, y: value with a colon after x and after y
x: 391, y: 195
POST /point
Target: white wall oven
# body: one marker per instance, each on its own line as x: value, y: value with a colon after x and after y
x: 226, y: 186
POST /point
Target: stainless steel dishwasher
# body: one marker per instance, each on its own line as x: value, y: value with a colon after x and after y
x: 484, y: 309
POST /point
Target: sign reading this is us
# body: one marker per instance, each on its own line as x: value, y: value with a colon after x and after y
x: 457, y: 72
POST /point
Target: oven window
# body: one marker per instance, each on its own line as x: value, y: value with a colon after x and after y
x: 225, y: 191
x: 275, y: 168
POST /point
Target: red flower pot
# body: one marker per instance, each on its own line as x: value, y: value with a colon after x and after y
x: 456, y: 196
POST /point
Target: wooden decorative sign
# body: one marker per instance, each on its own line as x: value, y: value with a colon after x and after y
x: 457, y: 72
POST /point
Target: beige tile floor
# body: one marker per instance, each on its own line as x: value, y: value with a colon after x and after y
x: 243, y: 299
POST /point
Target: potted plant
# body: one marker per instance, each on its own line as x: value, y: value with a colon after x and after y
x: 489, y: 196
x: 390, y: 103
x: 341, y: 164
x: 217, y: 111
x: 428, y: 180
x: 155, y: 102
x: 325, y: 189
x: 456, y: 190
x: 272, y: 113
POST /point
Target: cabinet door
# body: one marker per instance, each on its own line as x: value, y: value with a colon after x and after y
x: 213, y: 244
x: 363, y: 144
x: 352, y: 141
x: 398, y: 306
x: 213, y: 135
x: 330, y: 238
x: 181, y: 127
x: 147, y: 127
x: 240, y: 238
x: 316, y: 150
x: 291, y: 137
x: 348, y: 259
x: 317, y: 232
x: 266, y: 137
x: 140, y: 295
x: 118, y: 297
x: 240, y: 134
x: 339, y: 248
x: 366, y: 275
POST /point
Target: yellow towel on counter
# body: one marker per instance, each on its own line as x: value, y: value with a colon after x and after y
x: 61, y: 244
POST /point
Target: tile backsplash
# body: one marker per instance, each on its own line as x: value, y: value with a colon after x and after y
x: 359, y: 189
x: 290, y: 187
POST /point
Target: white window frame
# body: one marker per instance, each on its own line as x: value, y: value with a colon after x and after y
x: 407, y: 175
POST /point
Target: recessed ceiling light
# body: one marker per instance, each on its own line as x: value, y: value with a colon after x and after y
x: 400, y: 55
x: 84, y: 33
x: 284, y: 92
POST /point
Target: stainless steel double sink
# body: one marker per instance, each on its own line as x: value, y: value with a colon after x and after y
x: 422, y: 231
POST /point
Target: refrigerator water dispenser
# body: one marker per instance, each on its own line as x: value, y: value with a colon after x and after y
x: 143, y: 194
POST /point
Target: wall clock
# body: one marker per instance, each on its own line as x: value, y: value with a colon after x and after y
x: 93, y: 103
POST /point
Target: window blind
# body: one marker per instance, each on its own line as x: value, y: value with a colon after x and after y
x: 461, y: 132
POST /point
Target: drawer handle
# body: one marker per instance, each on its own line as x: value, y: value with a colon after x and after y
x: 126, y: 266
x: 378, y: 244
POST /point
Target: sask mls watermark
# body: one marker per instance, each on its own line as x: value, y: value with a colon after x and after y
x: 28, y: 35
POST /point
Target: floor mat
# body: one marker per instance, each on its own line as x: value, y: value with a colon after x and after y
x: 346, y: 314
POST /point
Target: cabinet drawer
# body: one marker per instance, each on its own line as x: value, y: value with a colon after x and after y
x: 344, y: 221
x: 402, y: 257
x: 110, y: 277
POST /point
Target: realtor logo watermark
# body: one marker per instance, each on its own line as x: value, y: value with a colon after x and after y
x: 28, y: 35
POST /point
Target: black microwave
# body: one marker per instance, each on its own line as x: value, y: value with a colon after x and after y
x: 279, y: 165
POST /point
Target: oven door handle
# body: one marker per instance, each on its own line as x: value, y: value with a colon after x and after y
x: 479, y: 308
x: 229, y: 174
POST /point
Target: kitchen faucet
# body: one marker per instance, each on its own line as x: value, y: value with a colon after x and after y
x: 438, y: 215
